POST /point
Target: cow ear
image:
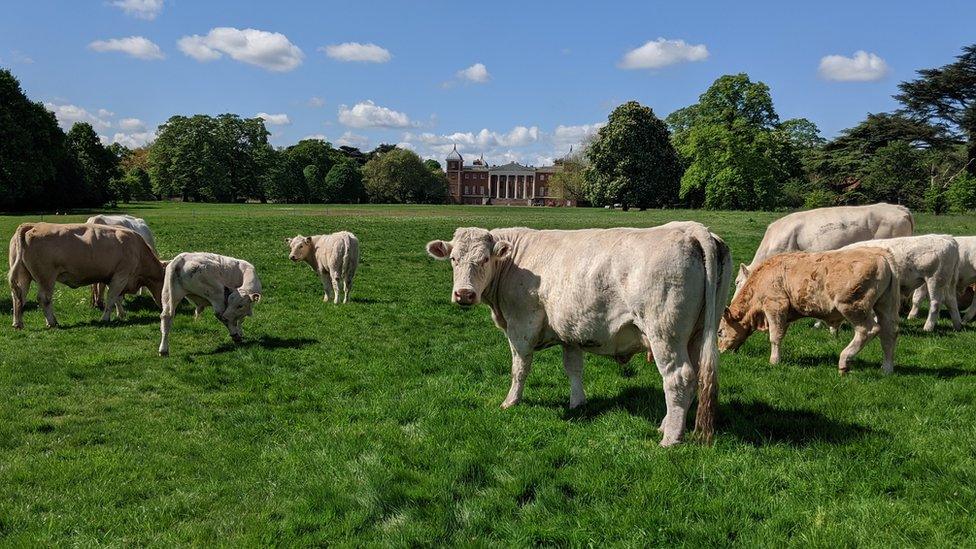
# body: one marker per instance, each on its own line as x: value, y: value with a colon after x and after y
x: 308, y: 240
x: 501, y: 249
x: 743, y: 270
x: 255, y: 298
x: 287, y: 240
x: 438, y: 249
x: 727, y: 315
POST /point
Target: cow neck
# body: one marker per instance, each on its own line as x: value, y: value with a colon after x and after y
x: 490, y: 295
x: 250, y: 283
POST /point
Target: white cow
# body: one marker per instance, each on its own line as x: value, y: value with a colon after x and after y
x: 967, y: 276
x: 826, y: 229
x: 611, y: 292
x: 932, y: 260
x: 229, y: 285
x: 136, y: 224
x: 334, y: 257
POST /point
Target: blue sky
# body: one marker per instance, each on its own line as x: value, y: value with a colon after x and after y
x: 512, y: 80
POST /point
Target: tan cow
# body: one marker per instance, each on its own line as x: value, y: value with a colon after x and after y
x: 136, y: 224
x: 231, y: 286
x: 78, y: 255
x: 825, y: 229
x: 860, y: 286
x: 334, y: 257
x: 929, y: 259
x: 611, y: 292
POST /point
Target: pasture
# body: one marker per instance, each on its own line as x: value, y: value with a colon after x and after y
x: 378, y: 422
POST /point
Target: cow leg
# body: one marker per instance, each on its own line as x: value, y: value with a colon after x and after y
x: 45, y: 296
x: 680, y: 382
x: 970, y: 311
x: 20, y: 282
x: 348, y: 287
x: 573, y: 364
x: 335, y: 288
x: 889, y: 335
x: 920, y: 293
x: 952, y: 303
x: 777, y: 330
x: 199, y: 305
x: 935, y: 304
x: 521, y: 364
x: 171, y: 298
x: 114, y: 300
x: 326, y: 285
x: 864, y: 329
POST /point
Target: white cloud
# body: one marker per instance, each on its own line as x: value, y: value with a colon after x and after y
x: 367, y: 114
x: 133, y: 140
x: 67, y: 115
x: 519, y: 136
x: 143, y: 9
x: 862, y: 67
x: 20, y: 57
x: 105, y: 113
x: 570, y: 136
x: 350, y: 139
x: 354, y: 51
x: 476, y: 73
x: 131, y: 124
x: 269, y: 50
x: 316, y: 102
x: 319, y: 136
x: 133, y: 46
x: 274, y: 119
x: 660, y: 53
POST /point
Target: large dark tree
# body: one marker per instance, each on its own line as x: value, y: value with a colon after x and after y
x: 400, y: 176
x: 97, y: 165
x: 946, y: 97
x: 632, y: 161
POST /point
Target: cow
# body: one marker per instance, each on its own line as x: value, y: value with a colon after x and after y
x: 964, y: 281
x: 136, y: 224
x: 825, y: 229
x: 334, y: 257
x: 859, y: 285
x: 231, y: 286
x: 932, y: 260
x: 76, y: 255
x: 610, y: 292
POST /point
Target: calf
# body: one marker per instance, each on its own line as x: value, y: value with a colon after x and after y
x: 78, y: 255
x: 230, y: 286
x: 860, y: 286
x: 334, y: 257
x: 932, y: 260
x: 136, y: 224
x: 611, y: 292
x: 965, y: 278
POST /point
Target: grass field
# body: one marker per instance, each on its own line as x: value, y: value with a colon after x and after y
x: 378, y: 422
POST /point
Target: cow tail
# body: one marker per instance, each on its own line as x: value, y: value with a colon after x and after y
x: 16, y: 258
x: 718, y: 273
x: 171, y: 273
x: 892, y: 304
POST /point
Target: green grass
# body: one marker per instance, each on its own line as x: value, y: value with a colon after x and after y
x: 378, y: 422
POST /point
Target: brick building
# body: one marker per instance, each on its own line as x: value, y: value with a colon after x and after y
x: 510, y: 184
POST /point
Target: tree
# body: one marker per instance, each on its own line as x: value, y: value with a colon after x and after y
x: 313, y: 158
x: 97, y: 165
x: 36, y: 171
x: 736, y: 153
x: 569, y: 181
x: 433, y: 165
x: 632, y: 161
x: 946, y: 97
x: 896, y: 174
x: 344, y: 183
x: 399, y: 176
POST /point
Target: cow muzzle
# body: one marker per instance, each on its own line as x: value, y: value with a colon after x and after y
x: 465, y: 297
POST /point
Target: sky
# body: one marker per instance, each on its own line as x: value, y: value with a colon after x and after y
x: 513, y: 81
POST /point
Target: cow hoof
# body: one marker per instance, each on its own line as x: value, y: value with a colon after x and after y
x: 238, y: 340
x: 667, y: 443
x: 843, y: 372
x: 573, y: 406
x: 163, y: 353
x: 18, y: 326
x: 508, y: 404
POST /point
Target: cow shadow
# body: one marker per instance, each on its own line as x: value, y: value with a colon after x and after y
x: 370, y: 300
x: 754, y: 423
x: 263, y: 342
x: 945, y: 372
x: 7, y: 306
x: 113, y: 323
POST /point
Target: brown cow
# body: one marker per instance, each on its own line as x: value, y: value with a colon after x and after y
x: 859, y: 285
x: 78, y: 255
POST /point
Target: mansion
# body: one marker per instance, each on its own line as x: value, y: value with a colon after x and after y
x: 511, y: 184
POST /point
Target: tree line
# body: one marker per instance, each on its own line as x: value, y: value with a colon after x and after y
x: 730, y: 150
x: 198, y: 158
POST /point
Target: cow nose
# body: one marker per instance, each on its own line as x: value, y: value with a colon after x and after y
x: 464, y: 296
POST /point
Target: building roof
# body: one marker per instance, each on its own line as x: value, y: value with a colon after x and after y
x: 513, y: 167
x: 454, y: 155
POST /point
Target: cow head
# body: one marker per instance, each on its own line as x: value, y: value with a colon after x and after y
x: 736, y: 327
x: 740, y: 278
x: 238, y: 304
x: 301, y: 247
x: 474, y: 255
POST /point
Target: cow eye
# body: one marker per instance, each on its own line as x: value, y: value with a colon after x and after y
x: 484, y: 261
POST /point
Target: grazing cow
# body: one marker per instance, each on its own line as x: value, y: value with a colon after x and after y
x: 334, y: 257
x: 966, y: 278
x: 828, y: 229
x: 230, y: 286
x: 77, y: 255
x: 860, y: 286
x: 611, y: 292
x: 932, y: 260
x: 136, y: 224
